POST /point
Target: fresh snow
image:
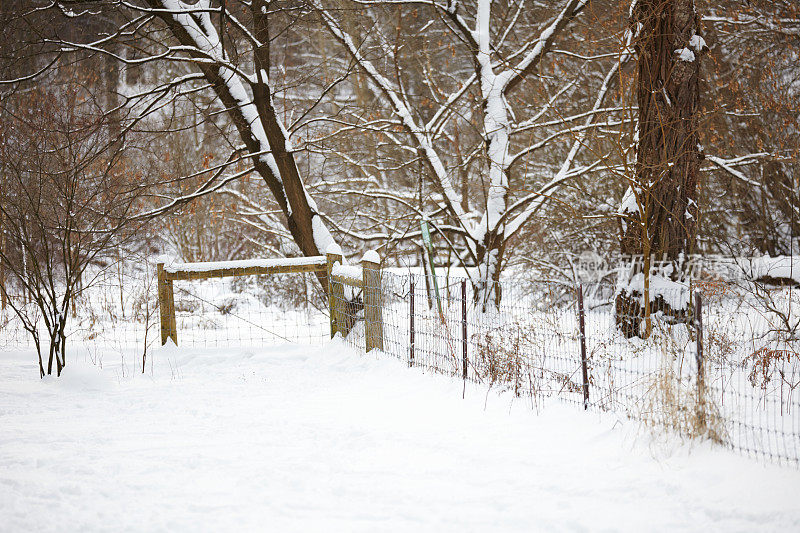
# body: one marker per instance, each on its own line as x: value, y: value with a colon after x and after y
x: 629, y: 204
x: 697, y: 43
x: 333, y: 248
x: 293, y: 438
x: 347, y: 271
x: 208, y: 266
x: 675, y: 294
x: 684, y: 54
x: 782, y: 267
x: 322, y: 237
x: 371, y: 256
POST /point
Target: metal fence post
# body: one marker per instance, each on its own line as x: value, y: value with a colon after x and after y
x: 584, y: 366
x: 464, y: 324
x: 411, y: 325
x: 698, y: 320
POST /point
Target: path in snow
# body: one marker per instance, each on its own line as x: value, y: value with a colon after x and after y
x: 322, y: 439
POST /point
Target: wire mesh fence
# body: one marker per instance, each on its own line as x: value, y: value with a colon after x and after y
x: 250, y: 311
x: 116, y: 316
x: 694, y: 360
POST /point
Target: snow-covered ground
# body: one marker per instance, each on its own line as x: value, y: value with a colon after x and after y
x: 297, y: 438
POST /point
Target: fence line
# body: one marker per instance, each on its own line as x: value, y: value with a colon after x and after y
x: 120, y: 321
x: 704, y: 364
x: 727, y: 369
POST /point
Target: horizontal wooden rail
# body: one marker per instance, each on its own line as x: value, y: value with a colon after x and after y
x: 366, y: 277
x: 193, y: 271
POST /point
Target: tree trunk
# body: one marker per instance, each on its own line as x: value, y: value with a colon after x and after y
x: 284, y: 181
x: 668, y: 152
x: 490, y: 259
x: 3, y: 296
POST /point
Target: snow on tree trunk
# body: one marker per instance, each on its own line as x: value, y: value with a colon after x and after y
x: 485, y: 233
x: 662, y: 210
x: 497, y: 132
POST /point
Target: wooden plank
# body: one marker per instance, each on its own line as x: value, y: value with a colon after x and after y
x: 348, y: 280
x: 166, y: 307
x: 335, y: 295
x: 373, y: 305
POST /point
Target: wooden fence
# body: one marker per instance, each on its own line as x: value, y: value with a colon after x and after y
x: 342, y: 304
x: 344, y: 307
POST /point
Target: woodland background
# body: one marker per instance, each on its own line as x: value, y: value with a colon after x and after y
x: 235, y: 129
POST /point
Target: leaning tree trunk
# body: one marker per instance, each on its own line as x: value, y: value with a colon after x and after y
x: 283, y: 179
x: 668, y: 152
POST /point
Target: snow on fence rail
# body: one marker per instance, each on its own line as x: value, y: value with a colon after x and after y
x: 219, y: 269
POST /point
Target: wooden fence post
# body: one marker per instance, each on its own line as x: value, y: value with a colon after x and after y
x: 373, y: 296
x: 166, y: 307
x: 335, y: 293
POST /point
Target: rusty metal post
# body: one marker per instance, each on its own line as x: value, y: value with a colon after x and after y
x: 584, y: 365
x: 464, y: 325
x: 411, y: 325
x: 698, y: 320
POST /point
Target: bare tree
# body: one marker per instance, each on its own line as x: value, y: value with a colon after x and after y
x: 67, y: 195
x: 480, y: 116
x: 475, y: 126
x: 753, y: 95
x: 221, y: 48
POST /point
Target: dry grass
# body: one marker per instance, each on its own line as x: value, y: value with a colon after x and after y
x: 498, y: 359
x: 681, y: 403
